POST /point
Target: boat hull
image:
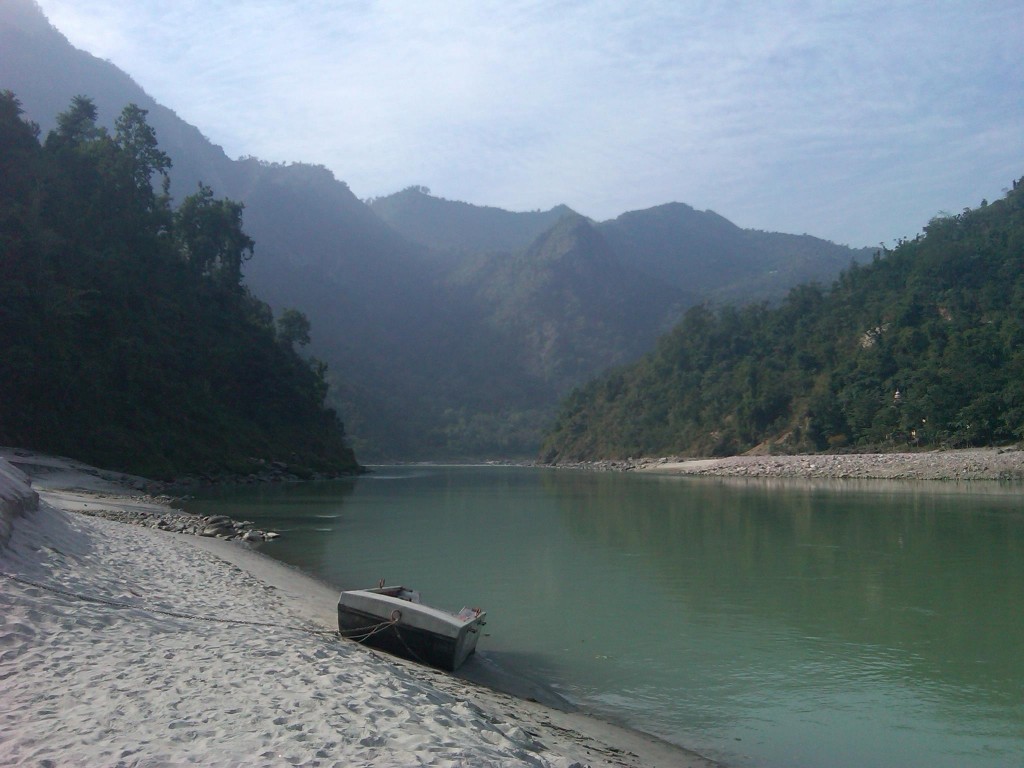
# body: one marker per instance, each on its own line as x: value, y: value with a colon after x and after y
x: 406, y: 629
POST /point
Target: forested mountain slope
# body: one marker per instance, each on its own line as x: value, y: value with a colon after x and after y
x: 922, y: 347
x: 126, y: 336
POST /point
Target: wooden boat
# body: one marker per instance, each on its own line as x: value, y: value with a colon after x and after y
x: 394, y: 620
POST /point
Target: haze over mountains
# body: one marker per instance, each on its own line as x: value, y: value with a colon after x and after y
x: 451, y: 330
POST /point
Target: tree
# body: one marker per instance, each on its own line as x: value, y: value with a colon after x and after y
x: 210, y: 239
x: 293, y: 328
x: 20, y: 148
x: 137, y: 141
x: 75, y: 126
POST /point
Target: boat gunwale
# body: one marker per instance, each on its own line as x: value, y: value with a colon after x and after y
x: 377, y: 596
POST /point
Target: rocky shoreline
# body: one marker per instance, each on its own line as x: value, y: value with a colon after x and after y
x: 212, y: 526
x: 107, y: 494
x: 1005, y: 464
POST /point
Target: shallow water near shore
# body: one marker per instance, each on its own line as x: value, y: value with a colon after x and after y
x: 761, y: 624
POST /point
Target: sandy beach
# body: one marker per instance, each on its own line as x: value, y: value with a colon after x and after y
x: 128, y: 646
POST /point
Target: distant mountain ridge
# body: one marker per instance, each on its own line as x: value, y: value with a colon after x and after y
x: 699, y: 252
x: 451, y: 330
x: 447, y: 225
x: 709, y: 254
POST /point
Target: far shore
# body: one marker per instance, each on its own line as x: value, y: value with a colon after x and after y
x: 1005, y: 464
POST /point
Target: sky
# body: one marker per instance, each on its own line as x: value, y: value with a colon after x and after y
x: 853, y: 121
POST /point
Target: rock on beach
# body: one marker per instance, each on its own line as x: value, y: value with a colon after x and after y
x: 153, y: 512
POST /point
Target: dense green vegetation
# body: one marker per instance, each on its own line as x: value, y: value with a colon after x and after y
x: 922, y: 347
x: 126, y: 336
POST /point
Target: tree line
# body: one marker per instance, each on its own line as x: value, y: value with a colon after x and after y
x: 922, y: 348
x: 127, y: 338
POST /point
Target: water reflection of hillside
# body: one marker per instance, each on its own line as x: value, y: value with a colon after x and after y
x: 932, y: 577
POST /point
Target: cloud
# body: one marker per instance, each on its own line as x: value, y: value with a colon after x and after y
x: 841, y: 119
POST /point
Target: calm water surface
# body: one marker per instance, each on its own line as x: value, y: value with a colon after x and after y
x: 762, y: 624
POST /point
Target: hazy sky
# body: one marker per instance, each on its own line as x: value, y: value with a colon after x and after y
x: 855, y: 121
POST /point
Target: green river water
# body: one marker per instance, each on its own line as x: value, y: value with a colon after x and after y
x: 772, y: 624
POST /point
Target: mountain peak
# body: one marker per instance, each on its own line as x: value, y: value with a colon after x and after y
x: 450, y: 225
x: 573, y: 241
x: 677, y: 216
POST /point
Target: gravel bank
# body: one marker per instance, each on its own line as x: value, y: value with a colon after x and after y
x: 990, y: 464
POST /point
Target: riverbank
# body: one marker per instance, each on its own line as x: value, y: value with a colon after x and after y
x: 158, y: 664
x: 969, y: 464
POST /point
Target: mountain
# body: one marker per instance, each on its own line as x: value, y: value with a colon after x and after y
x: 700, y: 252
x: 45, y: 72
x: 381, y: 316
x: 567, y: 305
x: 450, y: 330
x: 708, y: 254
x: 924, y: 347
x: 447, y: 225
x: 368, y: 292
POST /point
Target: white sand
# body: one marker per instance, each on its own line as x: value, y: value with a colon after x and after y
x: 85, y: 683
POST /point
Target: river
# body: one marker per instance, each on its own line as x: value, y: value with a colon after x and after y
x: 761, y: 623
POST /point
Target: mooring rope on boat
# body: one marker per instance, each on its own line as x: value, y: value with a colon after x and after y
x: 369, y: 631
x: 358, y: 634
x: 411, y: 652
x: 164, y: 611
